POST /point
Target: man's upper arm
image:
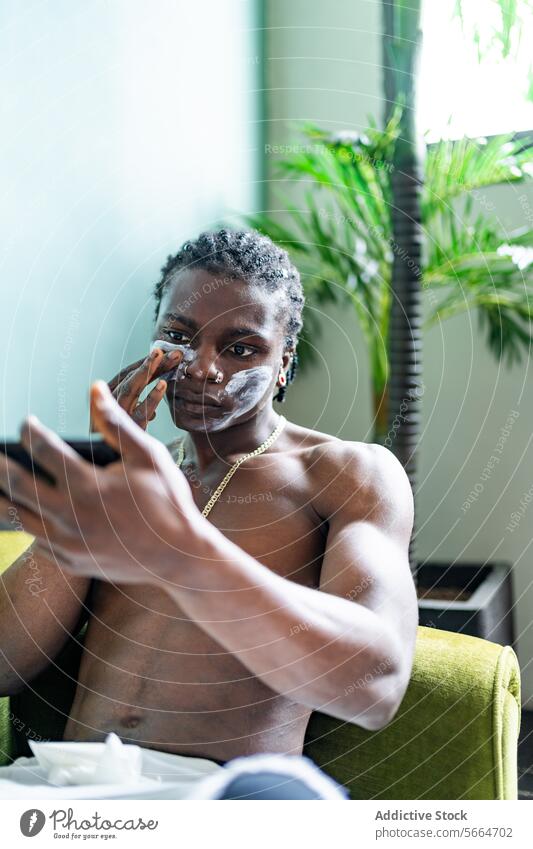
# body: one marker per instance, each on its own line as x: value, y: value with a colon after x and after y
x: 369, y: 507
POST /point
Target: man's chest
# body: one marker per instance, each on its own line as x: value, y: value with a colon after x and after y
x: 266, y: 509
x: 286, y: 540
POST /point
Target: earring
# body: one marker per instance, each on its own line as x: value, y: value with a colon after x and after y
x: 282, y: 383
x: 284, y: 380
x: 219, y: 377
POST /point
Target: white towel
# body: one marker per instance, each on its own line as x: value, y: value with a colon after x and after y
x: 109, y: 770
x: 113, y: 770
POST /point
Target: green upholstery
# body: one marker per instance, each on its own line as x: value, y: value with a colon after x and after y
x: 455, y: 735
x: 12, y: 545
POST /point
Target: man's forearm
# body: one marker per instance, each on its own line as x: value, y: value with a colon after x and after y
x: 39, y: 608
x: 315, y: 648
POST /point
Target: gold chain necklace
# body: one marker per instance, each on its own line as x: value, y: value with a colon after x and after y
x: 221, y: 487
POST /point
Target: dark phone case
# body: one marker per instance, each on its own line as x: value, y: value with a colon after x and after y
x: 95, y: 451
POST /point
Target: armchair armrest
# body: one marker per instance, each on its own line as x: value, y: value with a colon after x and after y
x: 455, y: 735
x: 12, y: 545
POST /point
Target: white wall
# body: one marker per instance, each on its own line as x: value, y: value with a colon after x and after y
x: 126, y: 128
x: 324, y: 65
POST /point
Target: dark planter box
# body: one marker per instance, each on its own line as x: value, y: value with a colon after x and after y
x: 476, y: 599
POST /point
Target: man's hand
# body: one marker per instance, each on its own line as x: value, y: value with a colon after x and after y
x: 134, y: 521
x: 128, y: 385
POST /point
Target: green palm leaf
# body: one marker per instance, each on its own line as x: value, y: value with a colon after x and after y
x: 340, y: 235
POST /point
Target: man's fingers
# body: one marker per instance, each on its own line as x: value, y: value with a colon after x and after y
x: 169, y: 362
x: 136, y: 379
x: 13, y: 517
x: 50, y: 451
x: 25, y: 489
x: 161, y: 364
x: 127, y: 393
x: 145, y: 412
x: 115, y: 425
x: 123, y: 373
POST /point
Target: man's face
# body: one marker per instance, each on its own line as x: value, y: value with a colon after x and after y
x: 223, y: 324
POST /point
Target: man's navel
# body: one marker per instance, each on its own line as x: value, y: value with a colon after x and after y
x: 130, y: 721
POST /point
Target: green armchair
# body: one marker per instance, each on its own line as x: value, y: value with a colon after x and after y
x: 455, y: 735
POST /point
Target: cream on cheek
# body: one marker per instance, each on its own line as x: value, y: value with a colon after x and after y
x: 245, y: 389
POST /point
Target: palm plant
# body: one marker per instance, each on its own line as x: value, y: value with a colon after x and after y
x: 368, y: 202
x: 341, y: 237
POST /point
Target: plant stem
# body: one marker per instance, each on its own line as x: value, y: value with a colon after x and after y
x: 401, y: 41
x: 380, y: 399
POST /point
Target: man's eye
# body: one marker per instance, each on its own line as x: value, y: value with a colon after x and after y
x: 240, y: 350
x: 173, y: 334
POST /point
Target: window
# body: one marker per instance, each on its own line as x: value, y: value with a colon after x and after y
x: 460, y: 96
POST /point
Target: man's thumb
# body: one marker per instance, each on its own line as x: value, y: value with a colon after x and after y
x: 115, y: 425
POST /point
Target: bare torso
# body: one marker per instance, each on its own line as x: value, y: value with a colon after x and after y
x: 154, y: 677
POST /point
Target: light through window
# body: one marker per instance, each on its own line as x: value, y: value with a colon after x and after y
x: 459, y: 96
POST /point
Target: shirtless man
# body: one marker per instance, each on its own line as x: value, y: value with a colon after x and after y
x: 215, y: 637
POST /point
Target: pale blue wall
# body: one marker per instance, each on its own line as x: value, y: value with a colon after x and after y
x: 127, y: 126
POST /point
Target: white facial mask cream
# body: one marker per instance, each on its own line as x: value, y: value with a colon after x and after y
x: 247, y: 386
x: 166, y: 347
x: 245, y: 389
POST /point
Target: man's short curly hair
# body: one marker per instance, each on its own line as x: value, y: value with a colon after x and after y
x: 245, y: 255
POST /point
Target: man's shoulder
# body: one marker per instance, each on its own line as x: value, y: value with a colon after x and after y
x: 347, y: 466
x: 348, y: 475
x: 327, y: 456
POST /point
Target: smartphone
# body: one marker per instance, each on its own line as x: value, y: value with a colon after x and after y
x: 94, y: 450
